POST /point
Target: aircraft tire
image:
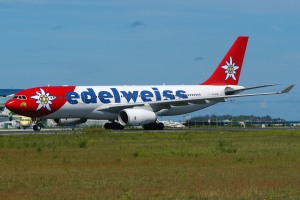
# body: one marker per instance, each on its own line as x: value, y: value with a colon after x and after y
x: 160, y: 126
x: 37, y: 127
x: 117, y: 126
x: 107, y: 126
x: 154, y: 126
x: 147, y: 127
x: 113, y: 126
x: 121, y: 127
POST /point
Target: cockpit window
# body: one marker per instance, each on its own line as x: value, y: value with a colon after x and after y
x: 21, y: 97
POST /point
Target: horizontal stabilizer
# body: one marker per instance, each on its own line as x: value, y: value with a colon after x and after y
x: 286, y: 90
x: 256, y: 87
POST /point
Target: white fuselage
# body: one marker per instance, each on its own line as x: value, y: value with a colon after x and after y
x: 90, y: 101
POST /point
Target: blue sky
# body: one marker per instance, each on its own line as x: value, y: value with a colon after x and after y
x: 137, y: 42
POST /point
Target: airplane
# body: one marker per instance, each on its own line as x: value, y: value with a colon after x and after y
x: 16, y: 121
x: 135, y: 105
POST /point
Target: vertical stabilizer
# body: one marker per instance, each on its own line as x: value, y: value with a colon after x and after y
x: 229, y: 69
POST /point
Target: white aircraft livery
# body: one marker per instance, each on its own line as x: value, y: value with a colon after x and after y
x: 135, y: 105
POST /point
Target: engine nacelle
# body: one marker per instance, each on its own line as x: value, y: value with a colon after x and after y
x: 136, y: 117
x: 70, y: 121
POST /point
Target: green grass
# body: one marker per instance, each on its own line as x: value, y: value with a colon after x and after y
x: 97, y: 164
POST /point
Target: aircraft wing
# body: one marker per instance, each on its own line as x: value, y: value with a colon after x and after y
x: 158, y: 105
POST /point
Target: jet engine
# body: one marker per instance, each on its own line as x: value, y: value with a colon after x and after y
x: 136, y: 117
x: 70, y: 121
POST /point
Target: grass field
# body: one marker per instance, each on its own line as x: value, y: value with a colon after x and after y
x: 151, y: 165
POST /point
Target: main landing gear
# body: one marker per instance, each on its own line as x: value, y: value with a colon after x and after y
x: 117, y: 126
x: 154, y: 126
x: 113, y: 126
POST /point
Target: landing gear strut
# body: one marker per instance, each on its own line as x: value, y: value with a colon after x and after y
x: 154, y: 126
x: 113, y: 126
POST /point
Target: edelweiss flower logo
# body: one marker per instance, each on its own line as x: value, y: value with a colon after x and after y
x: 43, y: 100
x: 230, y: 69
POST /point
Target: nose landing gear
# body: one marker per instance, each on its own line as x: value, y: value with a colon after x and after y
x: 37, y: 127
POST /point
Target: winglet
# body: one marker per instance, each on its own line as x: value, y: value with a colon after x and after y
x: 286, y: 90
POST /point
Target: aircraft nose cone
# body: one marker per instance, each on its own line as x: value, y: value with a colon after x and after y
x: 11, y: 105
x: 17, y: 106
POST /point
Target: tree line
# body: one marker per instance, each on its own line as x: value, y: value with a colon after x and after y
x: 252, y: 118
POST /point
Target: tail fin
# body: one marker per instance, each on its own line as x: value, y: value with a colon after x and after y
x: 229, y: 69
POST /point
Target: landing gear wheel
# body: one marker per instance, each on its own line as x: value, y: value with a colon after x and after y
x: 37, y: 127
x: 160, y: 126
x: 121, y: 127
x: 107, y: 126
x: 154, y: 126
x: 113, y: 126
x: 150, y: 126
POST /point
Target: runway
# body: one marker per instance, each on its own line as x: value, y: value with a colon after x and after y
x: 70, y: 131
x: 30, y: 131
